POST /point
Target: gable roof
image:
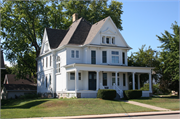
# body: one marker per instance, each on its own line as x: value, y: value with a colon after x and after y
x: 94, y: 30
x: 20, y: 87
x: 2, y: 61
x: 11, y: 79
x: 81, y: 32
x: 55, y: 37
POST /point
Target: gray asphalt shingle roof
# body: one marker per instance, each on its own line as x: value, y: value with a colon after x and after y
x: 80, y: 32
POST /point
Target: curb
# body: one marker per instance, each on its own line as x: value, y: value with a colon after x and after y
x: 111, y: 115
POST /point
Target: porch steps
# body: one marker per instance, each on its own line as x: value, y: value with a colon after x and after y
x: 117, y: 97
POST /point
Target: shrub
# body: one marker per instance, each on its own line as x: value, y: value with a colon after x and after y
x: 132, y: 94
x: 29, y: 96
x: 108, y: 94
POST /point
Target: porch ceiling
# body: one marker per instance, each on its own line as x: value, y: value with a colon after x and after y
x: 108, y: 68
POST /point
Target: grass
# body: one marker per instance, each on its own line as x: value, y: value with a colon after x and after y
x: 65, y: 107
x: 165, y: 101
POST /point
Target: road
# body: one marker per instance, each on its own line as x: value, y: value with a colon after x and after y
x: 172, y: 116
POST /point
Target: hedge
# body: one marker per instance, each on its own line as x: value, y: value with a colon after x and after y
x: 108, y: 94
x: 132, y: 94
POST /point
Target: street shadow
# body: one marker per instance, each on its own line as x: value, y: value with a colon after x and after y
x: 25, y: 106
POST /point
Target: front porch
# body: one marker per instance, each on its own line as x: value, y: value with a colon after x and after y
x: 83, y: 81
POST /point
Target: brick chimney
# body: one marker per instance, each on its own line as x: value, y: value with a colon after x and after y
x: 75, y: 17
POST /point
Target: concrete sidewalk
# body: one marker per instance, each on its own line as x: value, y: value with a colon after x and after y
x: 147, y: 106
x: 110, y: 115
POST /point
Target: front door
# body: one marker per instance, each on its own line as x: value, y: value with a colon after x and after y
x: 92, y: 80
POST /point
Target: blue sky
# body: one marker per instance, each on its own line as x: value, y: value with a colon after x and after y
x: 142, y: 20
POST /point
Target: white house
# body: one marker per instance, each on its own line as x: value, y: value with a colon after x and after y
x: 84, y: 58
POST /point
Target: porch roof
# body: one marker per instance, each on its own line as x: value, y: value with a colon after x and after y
x: 110, y: 68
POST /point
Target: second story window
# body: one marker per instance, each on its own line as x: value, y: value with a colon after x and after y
x: 115, y: 57
x: 74, y: 53
x: 123, y: 57
x: 58, y: 65
x: 104, y: 57
x: 93, y: 57
x: 77, y: 54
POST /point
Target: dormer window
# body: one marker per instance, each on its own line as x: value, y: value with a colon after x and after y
x: 107, y: 40
x: 113, y: 40
x: 103, y: 39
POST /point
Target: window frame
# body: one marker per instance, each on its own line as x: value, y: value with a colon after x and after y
x: 104, y: 61
x: 105, y: 79
x: 71, y: 74
x: 124, y: 79
x: 114, y: 76
x: 123, y: 58
x: 114, y: 55
x: 75, y: 54
x: 58, y: 64
x: 46, y: 61
x: 93, y: 58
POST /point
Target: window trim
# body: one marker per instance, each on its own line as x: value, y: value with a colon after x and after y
x: 75, y: 54
x: 123, y: 58
x: 124, y: 79
x: 103, y: 57
x: 116, y: 55
x: 72, y: 73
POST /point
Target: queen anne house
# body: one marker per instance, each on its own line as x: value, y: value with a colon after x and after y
x: 84, y: 58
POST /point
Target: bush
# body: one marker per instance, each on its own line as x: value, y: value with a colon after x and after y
x: 108, y: 94
x: 132, y: 94
x: 156, y: 88
x: 29, y: 96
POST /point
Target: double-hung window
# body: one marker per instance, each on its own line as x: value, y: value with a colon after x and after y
x: 115, y: 57
x: 46, y: 62
x: 104, y: 57
x: 104, y: 79
x: 74, y: 53
x: 107, y: 40
x: 50, y: 61
x: 72, y: 76
x: 93, y: 57
x: 58, y: 65
x: 123, y: 57
x: 114, y: 78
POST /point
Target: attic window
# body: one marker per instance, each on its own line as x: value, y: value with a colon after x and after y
x: 113, y: 40
x: 107, y: 40
x: 103, y: 39
x: 46, y: 47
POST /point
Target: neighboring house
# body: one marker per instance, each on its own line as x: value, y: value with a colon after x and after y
x: 15, y: 87
x: 84, y: 58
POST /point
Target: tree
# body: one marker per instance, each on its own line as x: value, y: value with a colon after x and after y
x: 23, y: 24
x: 144, y: 58
x: 169, y: 57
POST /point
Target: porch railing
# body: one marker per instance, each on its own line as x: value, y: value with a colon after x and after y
x: 101, y: 86
x: 118, y: 90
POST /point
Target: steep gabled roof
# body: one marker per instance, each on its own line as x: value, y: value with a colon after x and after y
x: 81, y: 32
x: 11, y: 79
x: 55, y: 37
x: 94, y: 30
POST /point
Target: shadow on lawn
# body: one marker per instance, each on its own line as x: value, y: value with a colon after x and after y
x: 25, y: 106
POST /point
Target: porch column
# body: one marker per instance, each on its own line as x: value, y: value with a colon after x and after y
x: 97, y: 80
x: 133, y: 73
x: 67, y: 77
x: 150, y: 82
x: 116, y: 78
x: 76, y: 80
x: 138, y: 81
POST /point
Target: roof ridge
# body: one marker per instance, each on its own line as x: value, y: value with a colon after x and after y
x: 101, y: 20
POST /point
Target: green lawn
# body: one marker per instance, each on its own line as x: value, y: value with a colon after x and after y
x: 166, y: 101
x: 65, y: 107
